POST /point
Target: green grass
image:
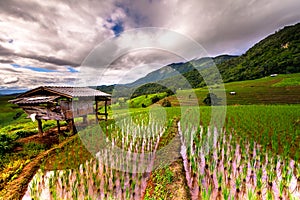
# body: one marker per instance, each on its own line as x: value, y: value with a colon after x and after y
x: 291, y: 81
x: 27, y: 128
x: 70, y: 157
x: 162, y: 177
x: 262, y: 91
x: 9, y: 113
x: 145, y: 99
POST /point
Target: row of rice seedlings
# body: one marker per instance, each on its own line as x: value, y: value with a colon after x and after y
x: 221, y: 161
x: 118, y: 172
x: 271, y: 126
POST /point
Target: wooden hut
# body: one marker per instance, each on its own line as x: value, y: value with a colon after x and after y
x: 62, y: 103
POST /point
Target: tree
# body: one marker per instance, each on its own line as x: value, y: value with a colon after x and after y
x: 155, y: 99
x: 211, y: 99
x: 166, y: 103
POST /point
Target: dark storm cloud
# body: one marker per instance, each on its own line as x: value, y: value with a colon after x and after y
x: 6, y: 61
x: 26, y: 10
x: 51, y: 60
x: 4, y: 51
x: 43, y: 59
x: 230, y: 26
x: 53, y: 34
x: 11, y: 70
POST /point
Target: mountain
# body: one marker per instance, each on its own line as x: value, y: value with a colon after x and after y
x: 174, y: 69
x: 13, y: 92
x: 278, y: 53
x: 170, y: 77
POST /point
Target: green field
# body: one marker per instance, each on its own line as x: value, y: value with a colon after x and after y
x: 8, y: 112
x: 259, y: 138
x: 283, y: 89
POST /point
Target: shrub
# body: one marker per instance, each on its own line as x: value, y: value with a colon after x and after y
x: 155, y: 99
x: 166, y: 103
x: 212, y: 99
x: 48, y: 125
x: 18, y: 115
x: 25, y: 133
x: 6, y: 144
x: 34, y: 146
x: 33, y: 149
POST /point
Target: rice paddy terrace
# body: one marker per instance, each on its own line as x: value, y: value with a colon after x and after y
x: 239, y: 160
x: 170, y: 153
x: 282, y: 89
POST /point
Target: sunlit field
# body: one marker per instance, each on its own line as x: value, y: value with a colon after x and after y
x: 254, y: 155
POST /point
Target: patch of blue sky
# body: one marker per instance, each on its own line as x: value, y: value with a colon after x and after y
x: 15, y: 65
x: 117, y: 27
x: 72, y: 70
x: 39, y: 69
x: 36, y: 69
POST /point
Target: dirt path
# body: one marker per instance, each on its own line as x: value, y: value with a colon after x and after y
x: 49, y: 138
x: 18, y: 187
x: 178, y: 187
x: 169, y: 157
x: 175, y: 189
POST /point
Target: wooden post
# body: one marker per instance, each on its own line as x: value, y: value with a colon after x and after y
x: 69, y: 122
x: 40, y: 126
x: 96, y: 110
x: 105, y: 109
x: 58, y: 126
x: 84, y: 119
x: 71, y: 126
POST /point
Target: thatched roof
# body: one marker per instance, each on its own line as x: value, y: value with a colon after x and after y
x: 69, y: 92
x: 34, y: 100
x: 47, y: 94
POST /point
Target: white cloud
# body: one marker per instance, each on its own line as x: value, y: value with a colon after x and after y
x: 10, y: 79
x: 22, y: 77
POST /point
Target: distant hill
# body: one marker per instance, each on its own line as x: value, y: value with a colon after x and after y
x: 8, y: 92
x: 179, y: 68
x: 278, y: 53
x: 171, y: 76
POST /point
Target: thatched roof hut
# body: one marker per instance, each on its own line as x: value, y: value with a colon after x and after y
x: 61, y: 103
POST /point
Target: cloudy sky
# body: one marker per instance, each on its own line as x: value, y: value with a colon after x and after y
x: 46, y: 42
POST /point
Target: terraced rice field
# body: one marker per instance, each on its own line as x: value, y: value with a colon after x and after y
x: 242, y: 159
